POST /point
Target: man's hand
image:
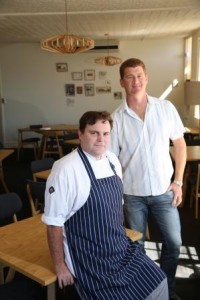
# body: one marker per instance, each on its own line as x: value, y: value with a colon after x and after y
x: 64, y: 276
x: 55, y: 241
x: 177, y: 190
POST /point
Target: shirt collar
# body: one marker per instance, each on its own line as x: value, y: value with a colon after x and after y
x: 93, y: 157
x: 151, y: 101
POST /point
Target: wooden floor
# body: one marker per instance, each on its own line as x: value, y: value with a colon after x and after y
x: 188, y: 274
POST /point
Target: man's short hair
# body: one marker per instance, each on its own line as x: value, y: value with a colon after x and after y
x: 131, y: 63
x: 91, y: 117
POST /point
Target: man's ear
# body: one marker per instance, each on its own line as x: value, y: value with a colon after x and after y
x: 79, y: 134
x: 121, y: 82
x: 147, y: 78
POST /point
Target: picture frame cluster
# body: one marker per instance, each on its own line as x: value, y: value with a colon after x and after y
x: 88, y: 87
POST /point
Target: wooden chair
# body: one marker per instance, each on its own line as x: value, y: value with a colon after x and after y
x: 10, y: 205
x: 69, y: 143
x: 35, y: 192
x: 24, y: 142
x: 51, y: 142
x: 195, y: 193
x: 41, y: 165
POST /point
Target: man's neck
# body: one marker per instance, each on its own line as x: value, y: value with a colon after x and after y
x: 138, y: 105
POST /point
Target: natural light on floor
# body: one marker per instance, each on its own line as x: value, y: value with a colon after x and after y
x: 189, y: 262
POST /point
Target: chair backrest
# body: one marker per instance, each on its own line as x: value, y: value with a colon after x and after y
x: 42, y: 164
x: 192, y: 142
x: 35, y: 191
x: 67, y: 148
x: 10, y: 205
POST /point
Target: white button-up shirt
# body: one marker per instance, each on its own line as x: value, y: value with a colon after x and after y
x: 143, y: 146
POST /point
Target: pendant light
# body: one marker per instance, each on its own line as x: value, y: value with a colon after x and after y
x: 65, y: 43
x: 108, y: 60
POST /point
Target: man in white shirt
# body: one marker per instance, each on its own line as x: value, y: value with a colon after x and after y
x: 142, y: 129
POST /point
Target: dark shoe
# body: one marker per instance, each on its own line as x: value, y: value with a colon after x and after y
x: 175, y: 297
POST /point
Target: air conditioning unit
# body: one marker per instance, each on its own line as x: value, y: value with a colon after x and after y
x: 104, y: 46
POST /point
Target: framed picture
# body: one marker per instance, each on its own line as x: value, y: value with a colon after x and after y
x: 108, y: 82
x: 89, y: 74
x: 103, y: 89
x: 89, y: 89
x: 61, y: 67
x: 79, y: 90
x: 77, y: 76
x: 102, y: 74
x: 117, y: 95
x: 69, y: 89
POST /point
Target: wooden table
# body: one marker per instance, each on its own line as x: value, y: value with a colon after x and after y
x: 3, y: 154
x: 55, y: 131
x: 70, y: 128
x: 193, y: 155
x: 24, y: 248
x: 41, y: 175
x: 45, y: 131
x: 192, y: 130
x: 133, y: 234
x: 75, y: 142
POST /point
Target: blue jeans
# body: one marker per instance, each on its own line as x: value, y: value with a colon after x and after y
x: 166, y: 216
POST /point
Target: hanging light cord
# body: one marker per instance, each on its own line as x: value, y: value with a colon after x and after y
x: 66, y: 19
x: 108, y: 48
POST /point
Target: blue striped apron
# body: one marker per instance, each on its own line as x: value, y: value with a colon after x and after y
x: 107, y: 264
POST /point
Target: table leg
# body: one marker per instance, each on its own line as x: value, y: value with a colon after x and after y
x: 51, y: 291
x: 1, y: 274
x: 2, y: 178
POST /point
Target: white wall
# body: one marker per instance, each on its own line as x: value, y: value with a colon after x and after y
x: 35, y: 91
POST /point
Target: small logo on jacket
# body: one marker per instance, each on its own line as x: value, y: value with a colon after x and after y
x: 51, y: 190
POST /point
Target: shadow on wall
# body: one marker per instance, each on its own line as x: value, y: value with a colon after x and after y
x: 20, y: 114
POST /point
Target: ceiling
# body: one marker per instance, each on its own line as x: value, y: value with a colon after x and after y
x: 34, y: 20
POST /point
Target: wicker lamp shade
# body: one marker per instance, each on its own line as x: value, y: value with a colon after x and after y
x: 108, y: 60
x: 67, y: 44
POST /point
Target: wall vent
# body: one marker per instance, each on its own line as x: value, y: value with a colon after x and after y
x: 104, y: 46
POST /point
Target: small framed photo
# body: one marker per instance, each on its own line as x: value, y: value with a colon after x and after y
x: 69, y: 89
x: 77, y: 76
x: 61, y: 67
x: 89, y: 74
x: 103, y: 89
x: 79, y: 90
x: 102, y: 74
x: 117, y: 95
x: 89, y: 89
x: 108, y: 82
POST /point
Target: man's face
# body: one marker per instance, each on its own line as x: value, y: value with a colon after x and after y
x: 135, y: 81
x: 95, y: 138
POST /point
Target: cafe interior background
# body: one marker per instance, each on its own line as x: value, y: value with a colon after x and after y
x: 41, y: 87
